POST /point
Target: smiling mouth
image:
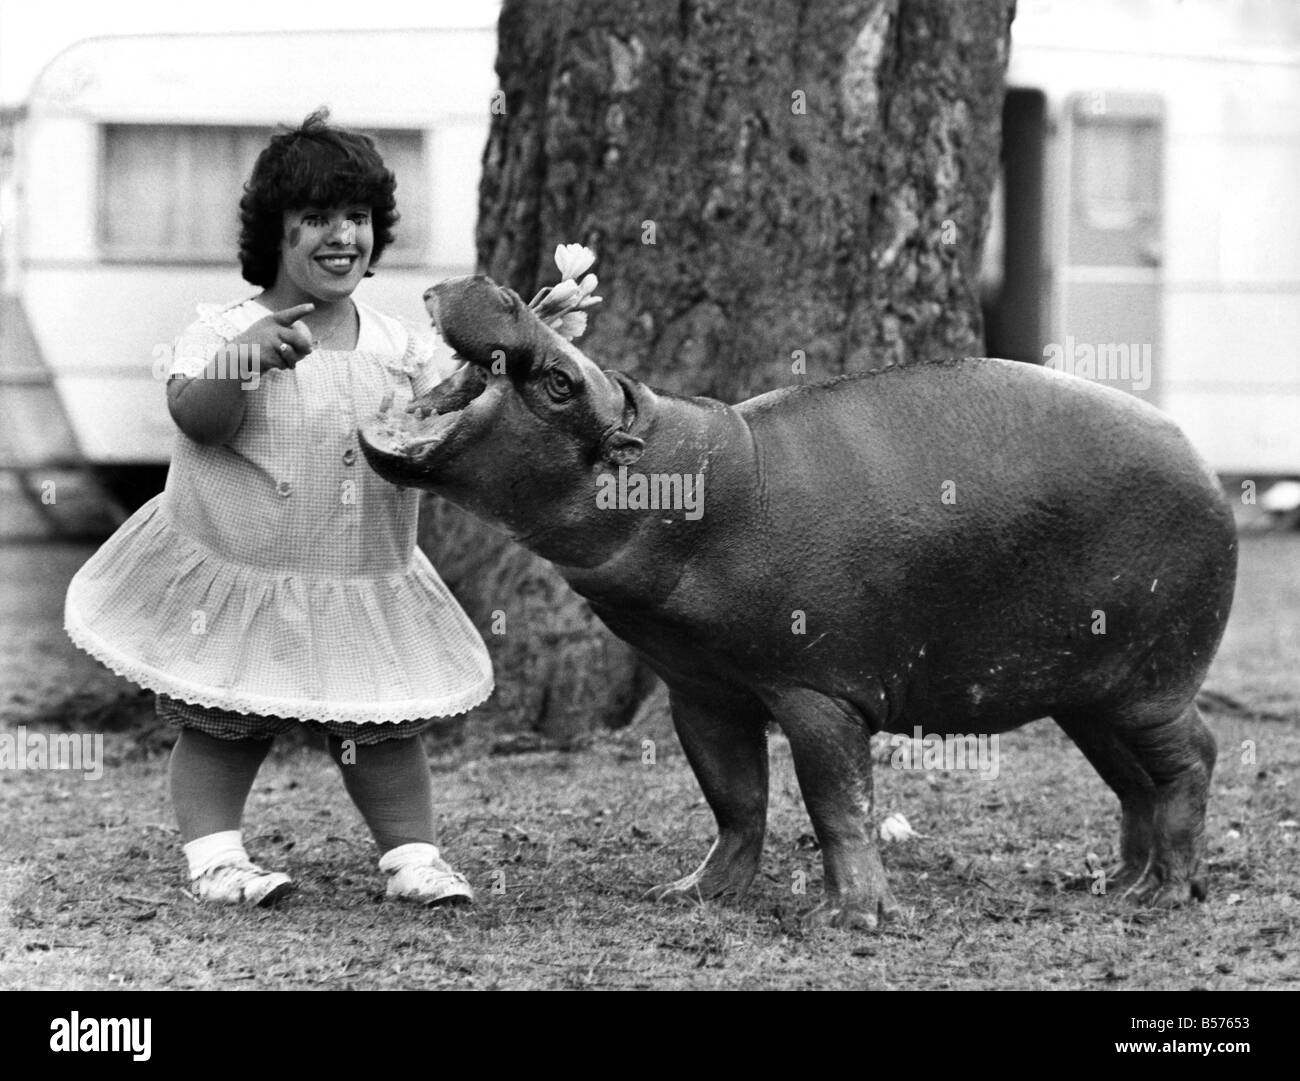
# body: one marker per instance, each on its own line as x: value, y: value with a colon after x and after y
x: 337, y: 264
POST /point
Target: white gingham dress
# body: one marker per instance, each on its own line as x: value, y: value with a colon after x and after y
x: 278, y: 574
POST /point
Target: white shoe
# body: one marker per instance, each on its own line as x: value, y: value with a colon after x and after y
x: 430, y: 881
x: 242, y: 883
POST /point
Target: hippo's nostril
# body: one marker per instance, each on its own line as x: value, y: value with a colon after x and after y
x: 428, y: 292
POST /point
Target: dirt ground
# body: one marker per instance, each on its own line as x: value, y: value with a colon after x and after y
x: 560, y: 848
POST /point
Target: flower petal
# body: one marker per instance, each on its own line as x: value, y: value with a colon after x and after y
x: 573, y: 260
x: 562, y: 294
x: 573, y: 325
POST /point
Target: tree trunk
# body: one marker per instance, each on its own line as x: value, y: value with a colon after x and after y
x: 775, y: 193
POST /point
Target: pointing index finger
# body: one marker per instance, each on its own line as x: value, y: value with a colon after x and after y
x: 286, y: 317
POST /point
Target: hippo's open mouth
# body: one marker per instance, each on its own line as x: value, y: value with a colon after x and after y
x: 414, y: 430
x: 403, y: 439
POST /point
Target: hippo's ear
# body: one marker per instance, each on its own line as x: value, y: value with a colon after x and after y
x: 619, y: 448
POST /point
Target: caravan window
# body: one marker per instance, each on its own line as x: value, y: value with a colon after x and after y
x: 170, y: 193
x: 1117, y: 172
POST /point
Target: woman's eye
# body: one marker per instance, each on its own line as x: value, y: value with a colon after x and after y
x: 361, y: 218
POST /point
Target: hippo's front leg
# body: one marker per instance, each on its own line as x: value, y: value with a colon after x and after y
x: 831, y: 745
x: 725, y: 740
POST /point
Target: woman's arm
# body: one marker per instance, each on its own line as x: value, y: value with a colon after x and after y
x: 209, y: 408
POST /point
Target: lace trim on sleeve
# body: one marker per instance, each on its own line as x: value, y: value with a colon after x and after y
x: 192, y: 351
x: 214, y: 316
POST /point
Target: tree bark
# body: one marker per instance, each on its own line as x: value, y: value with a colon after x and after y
x: 776, y: 193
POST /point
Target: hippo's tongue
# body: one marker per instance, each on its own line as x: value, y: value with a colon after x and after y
x: 399, y: 432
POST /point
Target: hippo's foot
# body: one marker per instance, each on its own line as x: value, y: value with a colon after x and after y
x: 855, y: 915
x: 1164, y: 862
x: 858, y: 896
x: 687, y: 891
x: 1120, y: 878
x: 1160, y: 886
x: 1155, y: 884
x: 1161, y: 771
x: 726, y: 872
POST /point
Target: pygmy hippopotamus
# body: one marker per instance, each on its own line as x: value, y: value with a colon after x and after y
x: 958, y: 547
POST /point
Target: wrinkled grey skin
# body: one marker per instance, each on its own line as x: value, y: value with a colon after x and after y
x: 970, y: 615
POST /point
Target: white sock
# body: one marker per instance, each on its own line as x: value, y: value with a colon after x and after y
x: 204, y: 853
x: 415, y: 854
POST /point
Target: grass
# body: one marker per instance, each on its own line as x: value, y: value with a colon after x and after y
x: 560, y: 848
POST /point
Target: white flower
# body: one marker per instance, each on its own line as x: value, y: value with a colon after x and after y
x: 573, y: 260
x: 562, y: 306
x: 561, y: 295
x: 570, y: 325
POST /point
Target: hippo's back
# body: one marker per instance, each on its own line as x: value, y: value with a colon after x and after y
x: 985, y: 403
x: 1018, y: 435
x: 1001, y: 526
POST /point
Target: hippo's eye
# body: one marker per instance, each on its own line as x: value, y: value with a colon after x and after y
x: 559, y: 384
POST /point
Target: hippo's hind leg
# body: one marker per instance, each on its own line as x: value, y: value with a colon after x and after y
x: 725, y: 740
x: 1160, y: 769
x: 831, y: 745
x: 1096, y: 737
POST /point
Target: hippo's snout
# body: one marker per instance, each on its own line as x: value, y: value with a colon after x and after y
x: 484, y: 322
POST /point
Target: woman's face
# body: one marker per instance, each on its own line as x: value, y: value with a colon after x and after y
x: 325, y: 252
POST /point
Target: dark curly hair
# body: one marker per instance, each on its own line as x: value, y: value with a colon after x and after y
x: 314, y: 165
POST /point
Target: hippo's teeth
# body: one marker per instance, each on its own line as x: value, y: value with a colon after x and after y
x: 399, y: 432
x: 433, y: 428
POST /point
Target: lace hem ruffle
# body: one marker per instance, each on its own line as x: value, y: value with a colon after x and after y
x: 265, y: 705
